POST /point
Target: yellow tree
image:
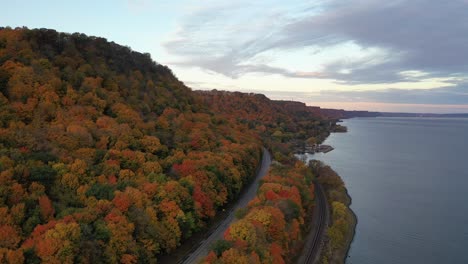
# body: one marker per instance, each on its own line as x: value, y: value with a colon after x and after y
x: 59, y: 244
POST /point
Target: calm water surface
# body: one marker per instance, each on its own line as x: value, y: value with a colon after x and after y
x: 408, y: 178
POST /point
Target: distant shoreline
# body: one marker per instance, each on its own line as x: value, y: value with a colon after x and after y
x: 461, y: 115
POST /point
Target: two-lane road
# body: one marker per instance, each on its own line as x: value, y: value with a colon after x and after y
x: 204, y: 247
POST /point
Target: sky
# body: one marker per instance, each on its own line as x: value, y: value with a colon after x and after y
x: 394, y: 56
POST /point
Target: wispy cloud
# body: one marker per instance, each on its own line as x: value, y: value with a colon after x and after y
x: 428, y: 37
x: 223, y: 38
x: 457, y: 95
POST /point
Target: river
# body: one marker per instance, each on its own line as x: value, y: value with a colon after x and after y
x: 408, y: 178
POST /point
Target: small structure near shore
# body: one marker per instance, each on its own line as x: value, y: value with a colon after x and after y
x: 311, y: 146
x: 316, y: 148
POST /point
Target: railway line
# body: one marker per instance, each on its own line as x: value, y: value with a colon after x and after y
x: 314, y: 239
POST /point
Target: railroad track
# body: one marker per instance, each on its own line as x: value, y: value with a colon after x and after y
x: 314, y: 240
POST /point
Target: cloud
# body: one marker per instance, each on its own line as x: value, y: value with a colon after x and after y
x: 226, y: 37
x: 400, y: 36
x: 423, y: 35
x: 457, y: 95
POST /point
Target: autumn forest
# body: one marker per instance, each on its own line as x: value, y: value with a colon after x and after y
x: 106, y: 157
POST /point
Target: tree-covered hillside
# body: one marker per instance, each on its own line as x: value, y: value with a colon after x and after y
x: 281, y: 124
x: 105, y: 157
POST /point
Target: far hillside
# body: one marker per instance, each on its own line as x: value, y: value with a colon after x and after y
x: 283, y: 125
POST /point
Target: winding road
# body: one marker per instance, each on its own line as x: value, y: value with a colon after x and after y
x: 313, y: 243
x: 204, y: 248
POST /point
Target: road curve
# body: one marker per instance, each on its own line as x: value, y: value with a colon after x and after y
x: 314, y: 239
x: 204, y: 247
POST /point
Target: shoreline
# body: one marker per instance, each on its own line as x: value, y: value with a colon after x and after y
x: 335, y: 250
x: 335, y: 191
x: 341, y: 254
x: 354, y: 222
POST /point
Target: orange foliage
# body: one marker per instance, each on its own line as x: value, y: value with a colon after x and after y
x: 47, y: 209
x: 271, y: 195
x: 210, y: 258
x: 276, y: 252
x: 186, y: 168
x: 128, y: 259
x: 122, y: 202
x: 202, y: 203
x: 15, y: 257
x: 9, y: 237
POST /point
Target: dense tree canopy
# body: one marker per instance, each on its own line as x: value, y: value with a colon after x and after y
x: 106, y: 157
x: 281, y: 124
x: 270, y: 230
